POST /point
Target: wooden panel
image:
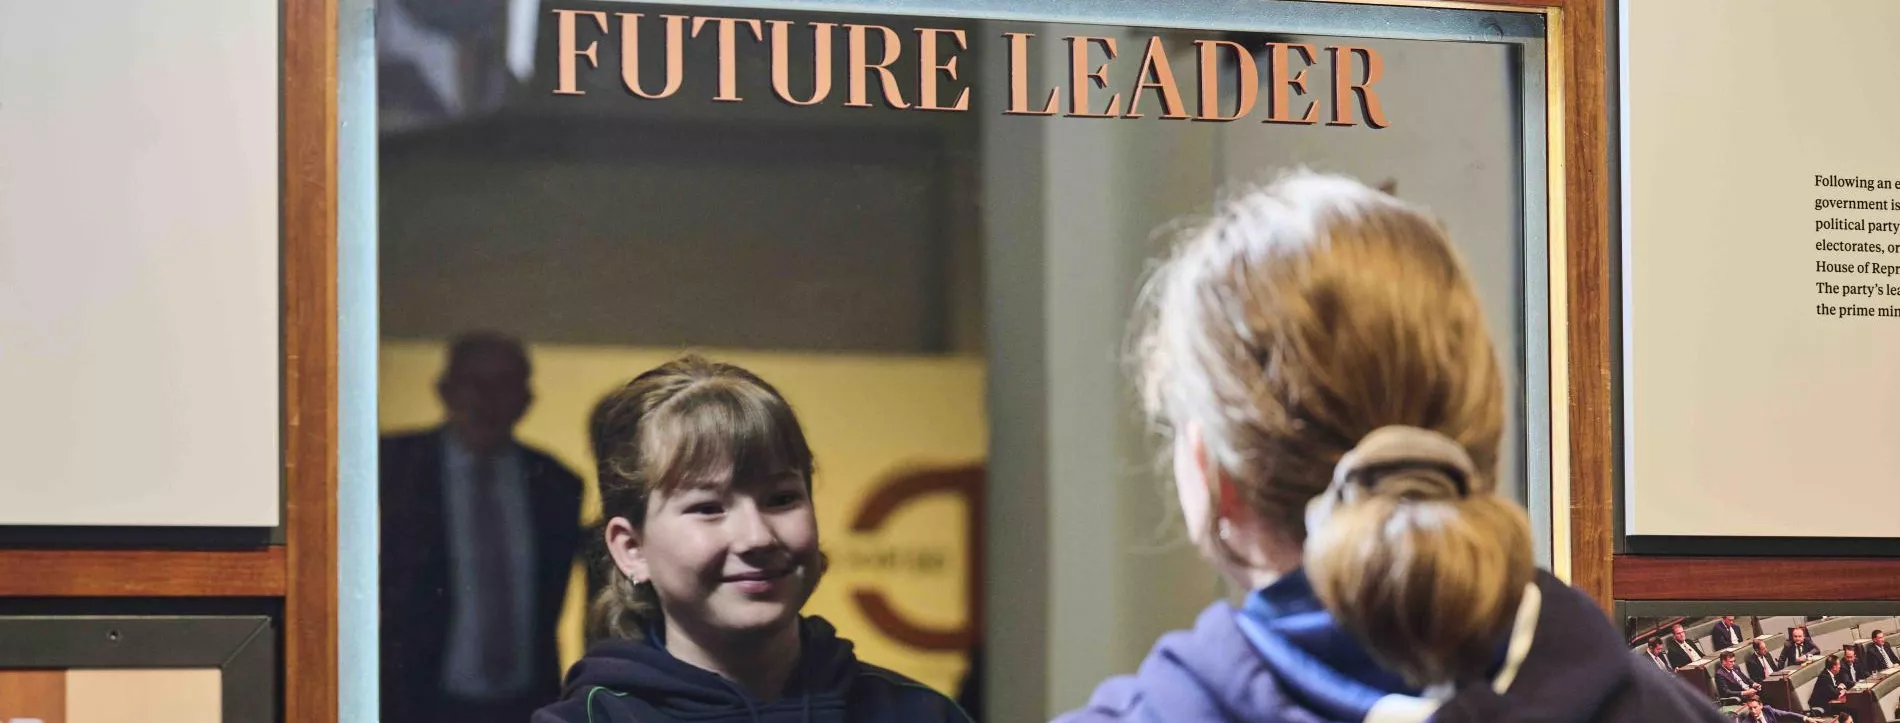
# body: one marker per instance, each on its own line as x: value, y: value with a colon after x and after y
x: 1587, y: 191
x: 33, y: 694
x: 1755, y: 578
x: 141, y: 573
x: 310, y: 374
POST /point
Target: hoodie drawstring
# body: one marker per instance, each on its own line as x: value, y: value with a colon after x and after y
x: 804, y: 674
x: 750, y: 709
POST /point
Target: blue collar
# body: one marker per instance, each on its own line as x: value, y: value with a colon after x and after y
x: 1314, y: 660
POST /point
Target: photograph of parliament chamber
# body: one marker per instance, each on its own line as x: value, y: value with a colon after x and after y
x: 289, y: 289
x: 1784, y: 667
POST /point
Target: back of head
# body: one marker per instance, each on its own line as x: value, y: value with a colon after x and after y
x: 1324, y: 336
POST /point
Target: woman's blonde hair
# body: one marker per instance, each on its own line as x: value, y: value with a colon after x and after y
x: 1299, y: 320
x: 688, y: 419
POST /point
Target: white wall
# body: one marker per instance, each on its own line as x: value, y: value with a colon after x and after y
x: 139, y: 263
x: 1735, y: 389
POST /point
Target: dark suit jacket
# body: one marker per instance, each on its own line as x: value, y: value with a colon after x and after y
x: 1872, y: 658
x: 1679, y: 654
x: 1854, y: 672
x: 1650, y: 660
x: 415, y: 572
x: 1731, y: 683
x: 1759, y: 669
x: 1728, y: 637
x: 1826, y: 688
x: 1770, y: 715
x: 1788, y: 652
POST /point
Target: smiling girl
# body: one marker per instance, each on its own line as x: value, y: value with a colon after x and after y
x: 705, y: 481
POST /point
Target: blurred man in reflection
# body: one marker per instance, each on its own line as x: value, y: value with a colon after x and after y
x: 1761, y: 662
x: 478, y: 535
x: 1731, y: 681
x: 1880, y: 655
x: 1727, y: 633
x: 1682, y: 650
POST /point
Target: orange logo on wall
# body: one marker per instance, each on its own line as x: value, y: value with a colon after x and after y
x: 885, y: 500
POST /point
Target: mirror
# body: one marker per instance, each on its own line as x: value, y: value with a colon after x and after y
x: 927, y: 232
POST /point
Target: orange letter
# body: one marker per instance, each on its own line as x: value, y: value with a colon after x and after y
x: 566, y: 61
x: 728, y: 55
x: 928, y: 67
x: 893, y: 94
x: 1210, y: 80
x: 1019, y: 78
x: 1079, y: 81
x: 630, y: 54
x: 1277, y: 76
x: 821, y: 64
x: 1342, y: 70
x: 1155, y: 63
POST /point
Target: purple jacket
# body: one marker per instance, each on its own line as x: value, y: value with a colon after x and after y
x: 1281, y: 660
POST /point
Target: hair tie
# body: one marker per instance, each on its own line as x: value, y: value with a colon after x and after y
x: 1399, y: 461
x: 1409, y: 461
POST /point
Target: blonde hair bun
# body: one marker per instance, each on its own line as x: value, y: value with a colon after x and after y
x: 1416, y: 556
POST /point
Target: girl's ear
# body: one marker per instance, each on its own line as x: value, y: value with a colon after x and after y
x: 1228, y: 506
x: 624, y: 546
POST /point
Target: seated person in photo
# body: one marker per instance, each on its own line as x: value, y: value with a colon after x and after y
x: 1682, y: 650
x: 1755, y: 711
x: 1799, y: 648
x: 1828, y: 688
x: 705, y: 482
x: 1727, y: 633
x: 1761, y: 662
x: 1731, y: 681
x: 1654, y: 653
x: 1852, y: 670
x: 1880, y: 653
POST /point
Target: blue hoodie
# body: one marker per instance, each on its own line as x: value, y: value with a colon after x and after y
x: 624, y: 681
x: 1282, y: 659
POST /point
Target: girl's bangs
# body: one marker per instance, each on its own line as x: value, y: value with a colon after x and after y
x: 725, y: 432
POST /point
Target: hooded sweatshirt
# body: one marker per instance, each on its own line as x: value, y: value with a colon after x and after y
x: 628, y: 681
x: 1281, y: 658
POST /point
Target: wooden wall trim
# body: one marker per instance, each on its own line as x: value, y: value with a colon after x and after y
x: 310, y: 359
x: 1587, y: 191
x: 1755, y: 578
x: 142, y: 573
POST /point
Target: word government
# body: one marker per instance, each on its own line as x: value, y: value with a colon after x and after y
x: 1300, y: 83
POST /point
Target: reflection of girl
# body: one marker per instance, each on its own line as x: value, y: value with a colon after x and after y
x: 706, y: 488
x: 1336, y: 410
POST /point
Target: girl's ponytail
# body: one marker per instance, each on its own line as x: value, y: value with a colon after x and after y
x: 1415, y: 557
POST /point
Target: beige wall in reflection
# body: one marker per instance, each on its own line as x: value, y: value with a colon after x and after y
x: 867, y: 417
